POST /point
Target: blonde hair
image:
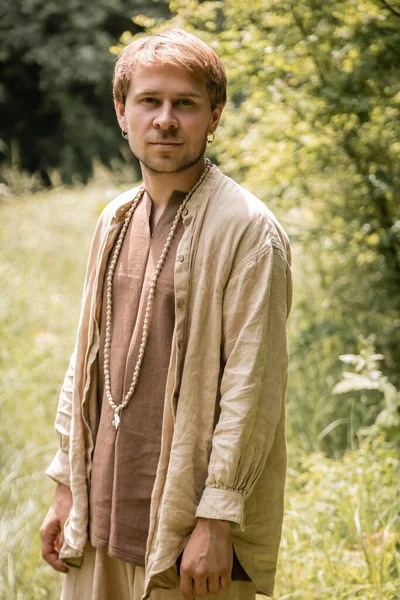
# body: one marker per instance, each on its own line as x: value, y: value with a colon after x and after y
x: 175, y: 48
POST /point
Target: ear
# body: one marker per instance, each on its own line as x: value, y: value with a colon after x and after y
x: 120, y: 112
x: 215, y: 117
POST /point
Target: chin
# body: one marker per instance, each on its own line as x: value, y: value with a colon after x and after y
x: 169, y: 166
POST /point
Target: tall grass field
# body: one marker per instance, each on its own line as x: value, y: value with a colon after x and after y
x: 341, y: 530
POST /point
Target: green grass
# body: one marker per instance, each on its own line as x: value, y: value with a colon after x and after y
x: 341, y: 531
x: 341, y: 526
x: 45, y: 240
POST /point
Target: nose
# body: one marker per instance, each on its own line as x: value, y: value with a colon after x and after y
x: 165, y: 118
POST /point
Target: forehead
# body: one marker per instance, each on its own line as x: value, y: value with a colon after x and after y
x: 166, y: 79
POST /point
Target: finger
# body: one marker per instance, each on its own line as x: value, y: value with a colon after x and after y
x: 200, y: 586
x: 61, y: 537
x: 226, y: 582
x: 213, y: 584
x: 57, y: 564
x: 59, y: 541
x: 49, y: 534
x: 50, y: 528
x: 50, y: 555
x: 186, y: 587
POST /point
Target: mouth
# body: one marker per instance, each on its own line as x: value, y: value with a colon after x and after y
x: 166, y: 144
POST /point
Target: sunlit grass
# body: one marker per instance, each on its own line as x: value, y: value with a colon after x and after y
x: 45, y: 240
x: 341, y: 530
x: 342, y: 517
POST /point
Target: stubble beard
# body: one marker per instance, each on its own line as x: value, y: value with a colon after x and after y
x: 156, y: 166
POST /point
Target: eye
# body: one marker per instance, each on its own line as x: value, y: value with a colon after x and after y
x: 186, y: 102
x: 149, y: 100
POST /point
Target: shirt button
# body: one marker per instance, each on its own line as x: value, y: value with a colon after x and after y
x: 185, y: 212
x: 187, y: 221
x: 181, y: 258
x: 181, y: 303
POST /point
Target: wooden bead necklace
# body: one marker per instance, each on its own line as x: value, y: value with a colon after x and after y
x: 117, y: 408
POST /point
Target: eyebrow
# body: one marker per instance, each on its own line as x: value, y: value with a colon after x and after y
x: 189, y: 93
x: 186, y: 94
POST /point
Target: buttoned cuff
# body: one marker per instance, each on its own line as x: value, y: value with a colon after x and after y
x: 58, y: 469
x: 217, y: 503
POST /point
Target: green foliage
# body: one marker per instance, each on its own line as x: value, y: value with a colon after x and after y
x: 342, y: 525
x: 56, y: 109
x: 384, y: 414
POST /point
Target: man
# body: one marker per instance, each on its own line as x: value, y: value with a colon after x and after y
x: 171, y: 467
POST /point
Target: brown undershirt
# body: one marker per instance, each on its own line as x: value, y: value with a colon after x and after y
x: 125, y: 461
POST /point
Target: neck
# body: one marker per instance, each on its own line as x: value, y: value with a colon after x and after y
x: 161, y: 186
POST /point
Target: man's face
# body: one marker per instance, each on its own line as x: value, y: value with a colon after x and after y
x: 168, y: 116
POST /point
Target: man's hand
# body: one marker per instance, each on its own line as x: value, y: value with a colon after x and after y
x: 207, y: 559
x: 52, y: 529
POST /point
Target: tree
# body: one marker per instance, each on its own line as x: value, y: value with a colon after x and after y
x: 55, y: 70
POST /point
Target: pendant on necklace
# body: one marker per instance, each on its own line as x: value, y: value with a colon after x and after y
x: 116, y: 420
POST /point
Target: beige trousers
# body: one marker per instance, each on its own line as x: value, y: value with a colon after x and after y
x: 104, y: 578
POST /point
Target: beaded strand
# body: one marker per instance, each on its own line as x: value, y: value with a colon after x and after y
x: 149, y: 306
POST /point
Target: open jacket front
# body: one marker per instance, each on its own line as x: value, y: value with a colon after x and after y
x: 223, y: 449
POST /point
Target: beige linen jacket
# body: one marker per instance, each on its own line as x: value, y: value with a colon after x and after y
x: 223, y: 449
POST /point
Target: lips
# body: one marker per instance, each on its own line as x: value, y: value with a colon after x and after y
x: 165, y: 147
x: 165, y: 143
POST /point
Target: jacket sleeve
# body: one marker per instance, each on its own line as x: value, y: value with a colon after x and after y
x: 257, y: 300
x: 59, y: 469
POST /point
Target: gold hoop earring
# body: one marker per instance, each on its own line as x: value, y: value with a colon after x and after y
x: 210, y: 141
x: 124, y: 134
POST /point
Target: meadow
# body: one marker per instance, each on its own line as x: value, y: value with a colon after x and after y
x: 341, y: 530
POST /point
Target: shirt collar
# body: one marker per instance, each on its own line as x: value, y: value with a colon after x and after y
x: 193, y: 203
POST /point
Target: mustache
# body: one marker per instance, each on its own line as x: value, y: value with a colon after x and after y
x: 165, y: 139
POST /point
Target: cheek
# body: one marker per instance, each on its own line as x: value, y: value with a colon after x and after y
x: 137, y: 117
x: 197, y: 125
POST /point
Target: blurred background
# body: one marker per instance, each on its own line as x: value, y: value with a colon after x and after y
x: 312, y: 128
